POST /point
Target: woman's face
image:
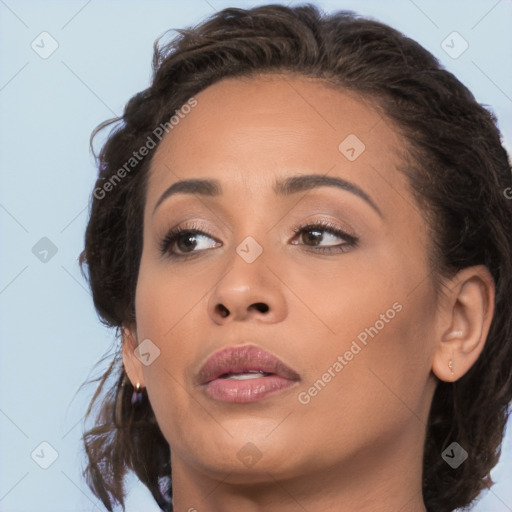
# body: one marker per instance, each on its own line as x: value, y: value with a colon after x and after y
x: 351, y: 314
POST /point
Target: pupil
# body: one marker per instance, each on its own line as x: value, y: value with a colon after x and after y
x: 315, y: 238
x: 187, y: 244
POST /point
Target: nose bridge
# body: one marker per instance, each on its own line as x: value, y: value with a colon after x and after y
x: 252, y: 230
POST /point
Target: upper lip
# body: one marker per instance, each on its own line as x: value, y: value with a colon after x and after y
x: 241, y: 359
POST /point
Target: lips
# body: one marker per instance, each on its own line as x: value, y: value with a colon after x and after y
x: 238, y: 360
x: 244, y: 374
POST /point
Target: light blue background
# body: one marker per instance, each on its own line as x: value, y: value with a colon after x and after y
x: 51, y: 336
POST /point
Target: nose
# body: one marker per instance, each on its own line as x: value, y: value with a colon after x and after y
x: 248, y: 292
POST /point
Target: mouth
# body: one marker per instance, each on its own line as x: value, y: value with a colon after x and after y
x: 244, y: 374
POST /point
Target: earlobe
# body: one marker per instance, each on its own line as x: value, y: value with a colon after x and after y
x: 467, y: 311
x: 132, y: 365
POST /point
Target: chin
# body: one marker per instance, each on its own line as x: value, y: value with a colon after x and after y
x: 250, y: 456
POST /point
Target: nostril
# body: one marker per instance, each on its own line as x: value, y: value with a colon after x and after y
x: 222, y: 310
x: 262, y: 308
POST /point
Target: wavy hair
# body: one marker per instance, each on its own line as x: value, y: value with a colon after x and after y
x: 457, y: 168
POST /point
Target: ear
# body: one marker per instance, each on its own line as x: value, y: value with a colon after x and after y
x: 465, y: 315
x: 132, y: 364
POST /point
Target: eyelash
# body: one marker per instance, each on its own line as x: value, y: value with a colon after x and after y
x: 350, y: 240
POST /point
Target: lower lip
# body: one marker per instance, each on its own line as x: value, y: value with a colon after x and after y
x: 249, y: 390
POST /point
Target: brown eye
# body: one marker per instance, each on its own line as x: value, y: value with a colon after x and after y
x: 180, y: 242
x: 314, y: 234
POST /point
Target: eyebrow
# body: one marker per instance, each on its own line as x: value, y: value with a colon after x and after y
x: 284, y: 187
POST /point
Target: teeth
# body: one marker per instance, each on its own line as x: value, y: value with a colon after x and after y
x: 244, y: 376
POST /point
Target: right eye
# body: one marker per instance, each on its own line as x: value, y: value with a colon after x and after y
x: 181, y: 242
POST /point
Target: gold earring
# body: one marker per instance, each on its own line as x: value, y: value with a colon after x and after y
x: 450, y: 365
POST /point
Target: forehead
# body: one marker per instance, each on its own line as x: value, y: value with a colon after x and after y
x: 244, y: 131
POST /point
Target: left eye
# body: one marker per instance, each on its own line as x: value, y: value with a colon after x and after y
x: 315, y: 235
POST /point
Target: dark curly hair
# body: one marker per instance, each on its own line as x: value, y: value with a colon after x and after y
x: 458, y: 170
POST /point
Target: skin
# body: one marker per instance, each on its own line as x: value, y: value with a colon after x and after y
x: 357, y: 444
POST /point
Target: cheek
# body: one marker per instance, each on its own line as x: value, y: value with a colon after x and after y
x: 362, y: 396
x: 165, y: 298
x: 372, y: 364
x: 165, y: 305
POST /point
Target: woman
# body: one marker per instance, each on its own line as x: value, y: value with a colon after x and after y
x: 302, y: 233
